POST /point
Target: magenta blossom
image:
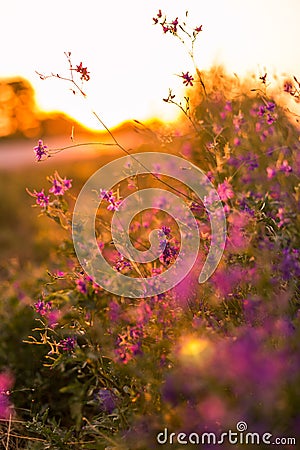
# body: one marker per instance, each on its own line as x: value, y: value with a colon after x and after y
x: 187, y: 79
x: 114, y: 204
x: 40, y: 150
x: 42, y: 308
x: 68, y: 344
x: 6, y: 382
x: 59, y: 185
x: 225, y: 191
x: 270, y: 172
x: 42, y: 200
x: 288, y: 86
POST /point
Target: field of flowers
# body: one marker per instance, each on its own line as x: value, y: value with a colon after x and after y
x: 84, y: 368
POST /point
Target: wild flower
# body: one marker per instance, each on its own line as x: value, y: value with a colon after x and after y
x: 114, y: 311
x: 285, y: 167
x: 121, y: 264
x: 68, y: 344
x: 40, y: 150
x: 59, y: 185
x: 83, y: 72
x: 166, y: 230
x: 42, y: 199
x: 106, y: 400
x: 113, y: 203
x: 225, y: 191
x: 187, y: 79
x: 199, y: 29
x: 81, y: 285
x: 288, y: 86
x: 42, y: 307
x: 281, y: 215
x: 238, y: 120
x: 6, y: 383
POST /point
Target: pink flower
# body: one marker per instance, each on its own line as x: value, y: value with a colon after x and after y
x: 238, y: 121
x: 225, y: 191
x: 285, y: 167
x: 83, y: 71
x: 283, y: 220
x: 187, y: 79
x: 6, y: 382
x: 42, y: 308
x: 226, y: 281
x: 270, y: 172
x: 174, y: 25
x: 53, y: 318
x: 228, y: 106
x: 114, y: 205
x: 42, y: 200
x: 40, y: 150
x: 111, y: 199
x: 288, y: 86
x: 59, y: 185
x: 81, y: 285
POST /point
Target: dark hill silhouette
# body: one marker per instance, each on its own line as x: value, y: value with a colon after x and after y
x: 20, y: 117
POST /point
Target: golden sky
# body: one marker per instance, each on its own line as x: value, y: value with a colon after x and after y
x: 132, y: 63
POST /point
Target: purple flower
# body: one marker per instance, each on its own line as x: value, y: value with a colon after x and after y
x: 106, y: 399
x: 270, y: 106
x: 6, y: 382
x: 106, y: 195
x: 114, y: 204
x: 114, y: 311
x: 165, y: 230
x: 270, y: 172
x: 170, y: 252
x: 41, y: 199
x: 270, y: 119
x: 288, y: 86
x: 187, y: 79
x: 238, y: 121
x: 122, y: 264
x: 198, y: 29
x: 251, y: 160
x: 290, y: 265
x: 81, y: 286
x: 285, y: 167
x: 57, y: 188
x: 40, y: 150
x: 68, y: 344
x: 225, y: 191
x: 59, y: 185
x: 42, y: 308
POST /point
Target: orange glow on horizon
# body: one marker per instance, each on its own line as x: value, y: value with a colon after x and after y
x: 131, y: 62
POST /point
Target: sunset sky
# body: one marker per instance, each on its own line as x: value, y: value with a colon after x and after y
x: 132, y: 63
